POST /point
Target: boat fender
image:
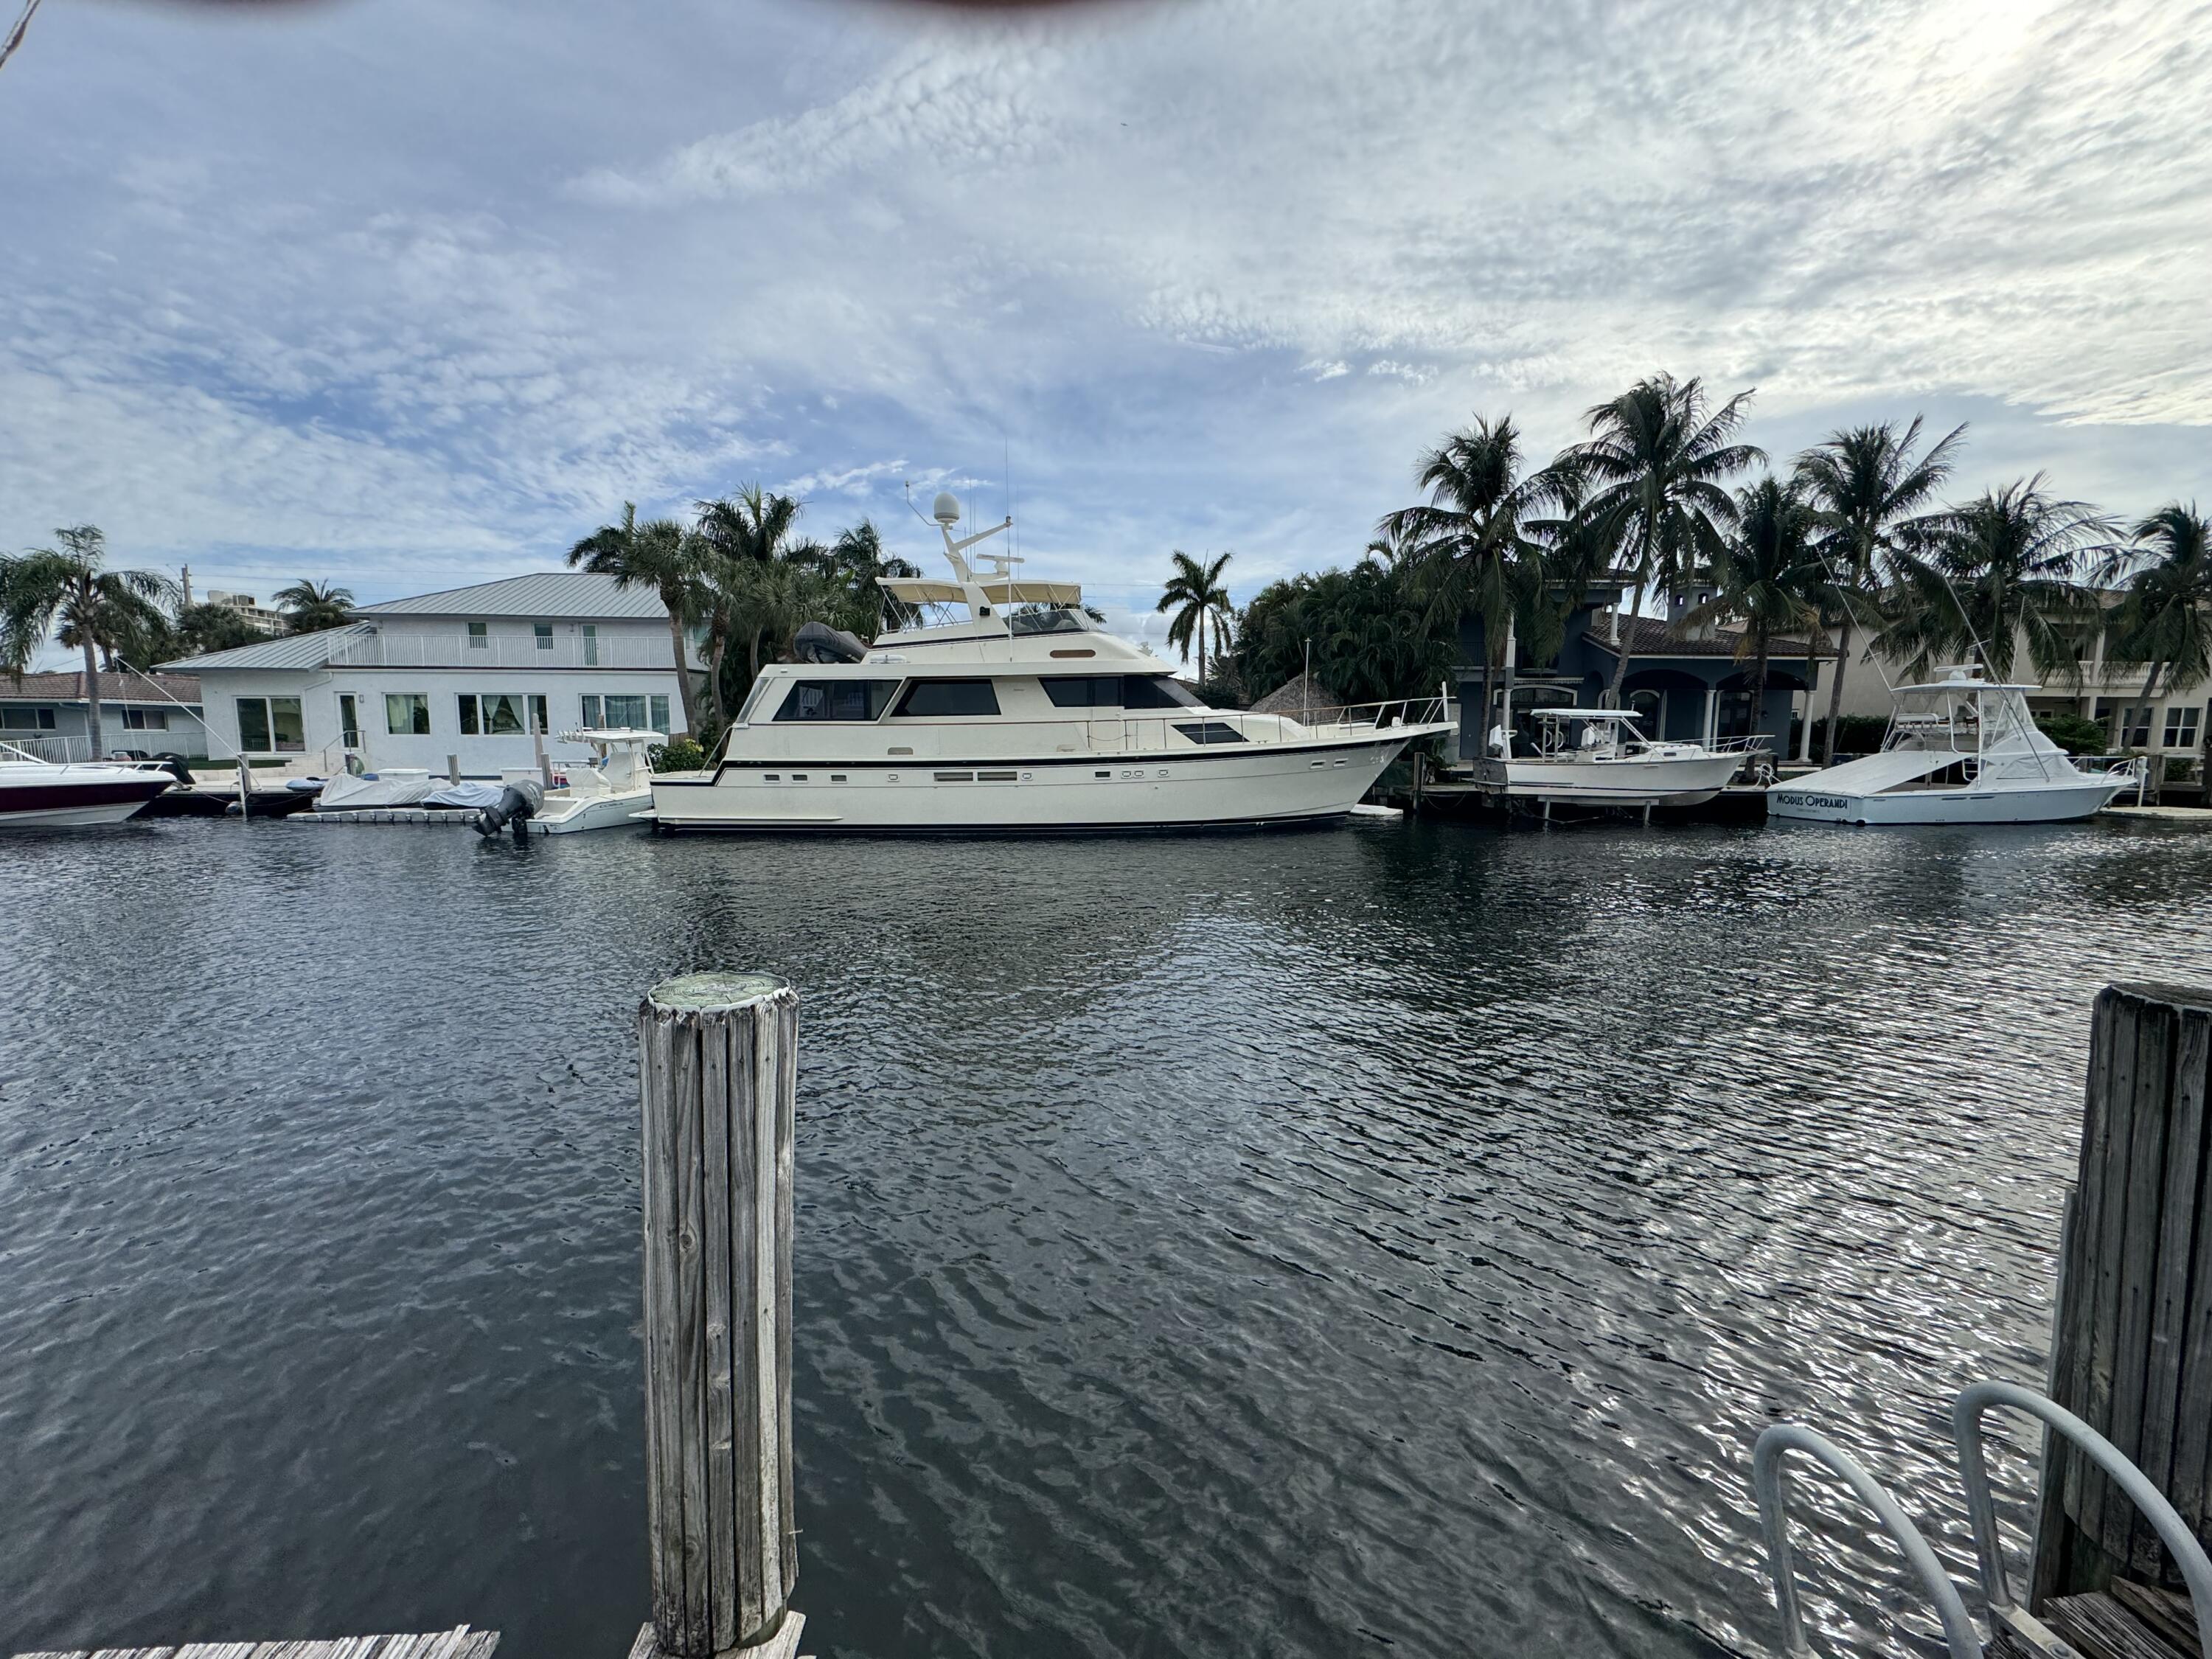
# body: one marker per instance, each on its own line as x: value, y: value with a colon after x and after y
x: 518, y: 803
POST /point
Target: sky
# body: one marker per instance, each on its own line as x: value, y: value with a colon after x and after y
x: 407, y: 294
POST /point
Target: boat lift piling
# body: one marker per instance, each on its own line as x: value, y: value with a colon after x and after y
x: 2120, y: 1568
x: 717, y: 1083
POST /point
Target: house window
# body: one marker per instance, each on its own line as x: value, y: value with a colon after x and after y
x: 939, y: 698
x: 625, y: 711
x: 479, y: 637
x: 544, y: 634
x: 538, y: 720
x: 407, y: 713
x: 493, y: 713
x: 590, y: 647
x: 590, y: 707
x: 660, y: 716
x: 2134, y: 727
x: 2181, y: 728
x: 270, y: 726
x: 349, y: 720
x: 27, y: 719
x: 836, y: 700
x: 146, y: 719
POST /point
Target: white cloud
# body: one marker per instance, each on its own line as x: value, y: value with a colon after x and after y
x: 276, y: 310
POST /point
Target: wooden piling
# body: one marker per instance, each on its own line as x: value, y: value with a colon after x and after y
x: 717, y: 1056
x: 2132, y: 1331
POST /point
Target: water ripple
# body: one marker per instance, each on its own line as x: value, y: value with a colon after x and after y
x: 1385, y: 1241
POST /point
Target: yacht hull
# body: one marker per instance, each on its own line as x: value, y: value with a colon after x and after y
x: 2053, y: 803
x: 1675, y: 782
x: 62, y: 802
x: 1264, y: 783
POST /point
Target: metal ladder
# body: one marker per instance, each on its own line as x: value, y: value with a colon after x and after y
x: 1771, y: 1486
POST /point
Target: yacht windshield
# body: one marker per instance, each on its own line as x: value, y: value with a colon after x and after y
x: 1054, y: 621
x: 836, y: 700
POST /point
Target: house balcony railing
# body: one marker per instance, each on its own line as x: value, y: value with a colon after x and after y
x: 502, y: 652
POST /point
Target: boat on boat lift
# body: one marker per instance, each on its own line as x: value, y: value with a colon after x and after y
x: 1021, y: 713
x: 37, y: 793
x: 1959, y: 750
x: 1601, y: 757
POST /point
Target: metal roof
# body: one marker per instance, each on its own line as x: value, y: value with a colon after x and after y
x: 113, y: 688
x: 544, y: 596
x: 285, y: 651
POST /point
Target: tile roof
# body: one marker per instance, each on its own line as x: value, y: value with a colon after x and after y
x: 1651, y: 636
x: 113, y: 688
x: 545, y: 596
x: 280, y: 651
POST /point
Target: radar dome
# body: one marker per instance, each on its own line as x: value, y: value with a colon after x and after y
x: 947, y: 509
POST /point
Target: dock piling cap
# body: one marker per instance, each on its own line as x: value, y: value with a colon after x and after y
x: 701, y: 994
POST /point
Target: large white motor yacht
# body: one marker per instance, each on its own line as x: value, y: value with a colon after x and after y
x: 1960, y: 750
x: 1021, y: 714
x: 43, y: 793
x: 1598, y: 757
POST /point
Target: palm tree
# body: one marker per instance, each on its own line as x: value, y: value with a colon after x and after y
x: 1198, y: 597
x: 746, y: 535
x: 1871, y: 492
x: 2010, y: 566
x: 99, y: 609
x: 1477, y: 545
x: 311, y: 606
x: 1653, y: 469
x: 658, y: 554
x: 2166, y: 619
x: 1768, y: 575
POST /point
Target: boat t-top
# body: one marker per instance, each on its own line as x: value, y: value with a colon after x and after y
x: 1020, y: 713
x: 1601, y: 757
x: 1959, y: 750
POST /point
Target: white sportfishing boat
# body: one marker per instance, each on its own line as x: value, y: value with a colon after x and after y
x: 1960, y: 750
x: 1600, y: 757
x: 1021, y: 714
x: 37, y: 793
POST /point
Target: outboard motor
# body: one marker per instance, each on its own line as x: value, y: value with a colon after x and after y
x: 520, y: 800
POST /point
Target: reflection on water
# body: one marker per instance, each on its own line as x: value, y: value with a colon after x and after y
x: 1388, y: 1239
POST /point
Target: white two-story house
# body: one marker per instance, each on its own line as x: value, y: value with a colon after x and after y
x: 479, y: 676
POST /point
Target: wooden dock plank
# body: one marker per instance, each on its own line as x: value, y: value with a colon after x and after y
x: 720, y: 1312
x: 2103, y: 1629
x: 787, y: 1129
x: 2106, y: 1243
x: 460, y: 1643
x: 745, y: 1066
x: 690, y: 1345
x: 2192, y: 1477
x: 2126, y: 1537
x: 2166, y: 1439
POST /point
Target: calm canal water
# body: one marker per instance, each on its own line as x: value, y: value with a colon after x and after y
x: 1381, y: 1241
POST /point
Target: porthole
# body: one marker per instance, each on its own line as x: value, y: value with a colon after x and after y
x: 836, y: 777
x: 1102, y: 775
x: 1316, y: 765
x: 773, y: 777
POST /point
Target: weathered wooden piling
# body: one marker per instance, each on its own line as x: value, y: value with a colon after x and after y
x: 2132, y: 1333
x: 717, y: 1080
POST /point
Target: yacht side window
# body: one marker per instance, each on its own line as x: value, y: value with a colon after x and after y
x: 1084, y: 690
x: 939, y: 698
x: 1155, y: 691
x: 836, y: 700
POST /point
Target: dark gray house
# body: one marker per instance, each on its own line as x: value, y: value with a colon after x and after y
x: 1690, y: 686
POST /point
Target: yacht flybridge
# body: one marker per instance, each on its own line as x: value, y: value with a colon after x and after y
x: 1959, y: 750
x: 1021, y: 714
